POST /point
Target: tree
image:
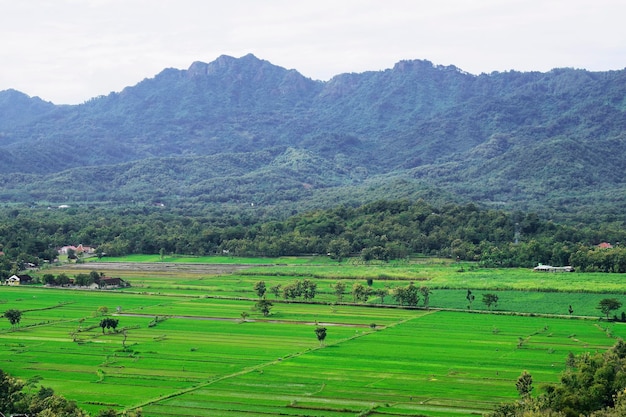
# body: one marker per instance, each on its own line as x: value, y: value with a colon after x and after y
x: 62, y: 280
x: 108, y: 323
x: 320, y: 332
x: 309, y: 289
x: 359, y: 292
x: 244, y: 316
x: 82, y: 280
x: 113, y: 323
x: 264, y: 306
x: 292, y: 291
x: 339, y: 288
x: 260, y: 288
x: 10, y: 391
x: 407, y: 295
x: 14, y: 316
x: 607, y: 305
x: 276, y: 290
x: 524, y: 385
x: 490, y: 299
x: 470, y: 298
x: 339, y: 249
x: 95, y: 277
x: 48, y: 279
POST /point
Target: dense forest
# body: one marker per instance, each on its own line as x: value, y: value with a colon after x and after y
x: 241, y: 131
x: 378, y: 231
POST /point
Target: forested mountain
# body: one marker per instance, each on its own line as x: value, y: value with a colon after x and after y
x: 243, y: 131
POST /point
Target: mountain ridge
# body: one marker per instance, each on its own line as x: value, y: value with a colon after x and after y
x: 550, y: 141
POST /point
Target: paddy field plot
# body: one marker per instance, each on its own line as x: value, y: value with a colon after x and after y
x: 183, y: 348
x: 200, y: 359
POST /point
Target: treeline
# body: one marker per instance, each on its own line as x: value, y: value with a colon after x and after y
x: 592, y: 385
x: 382, y: 231
x: 19, y: 397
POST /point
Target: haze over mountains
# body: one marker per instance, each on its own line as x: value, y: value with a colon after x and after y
x: 243, y: 131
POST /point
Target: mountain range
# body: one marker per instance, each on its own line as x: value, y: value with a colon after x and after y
x: 245, y: 132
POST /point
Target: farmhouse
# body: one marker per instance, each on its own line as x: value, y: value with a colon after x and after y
x: 14, y: 280
x: 109, y: 283
x: 548, y: 268
x: 77, y: 249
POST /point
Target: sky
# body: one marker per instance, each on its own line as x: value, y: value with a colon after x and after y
x: 68, y: 51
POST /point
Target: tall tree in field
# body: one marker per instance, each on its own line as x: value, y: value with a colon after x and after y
x: 103, y: 324
x: 408, y: 295
x: 359, y: 292
x: 309, y: 289
x: 607, y: 305
x: 524, y: 385
x: 490, y: 300
x: 470, y: 299
x: 14, y: 316
x: 260, y: 288
x: 264, y: 306
x: 320, y: 332
x: 276, y: 290
x: 113, y: 323
x: 339, y: 288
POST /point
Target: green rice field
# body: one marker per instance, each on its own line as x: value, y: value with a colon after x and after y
x: 183, y: 349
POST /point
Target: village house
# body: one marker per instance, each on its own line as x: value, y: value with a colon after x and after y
x: 109, y: 283
x: 77, y: 249
x: 15, y: 280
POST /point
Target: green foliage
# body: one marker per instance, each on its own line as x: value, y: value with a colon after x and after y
x: 108, y: 323
x: 607, y: 305
x: 490, y: 299
x: 524, y: 384
x: 353, y: 139
x: 264, y: 306
x: 260, y: 288
x: 16, y: 399
x: 14, y: 316
x: 320, y: 332
x: 593, y: 384
x: 380, y: 232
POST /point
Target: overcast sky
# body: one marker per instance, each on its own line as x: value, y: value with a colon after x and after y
x: 68, y: 51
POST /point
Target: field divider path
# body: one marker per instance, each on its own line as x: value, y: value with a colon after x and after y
x: 267, y: 364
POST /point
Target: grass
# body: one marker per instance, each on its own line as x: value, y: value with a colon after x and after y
x: 199, y: 359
